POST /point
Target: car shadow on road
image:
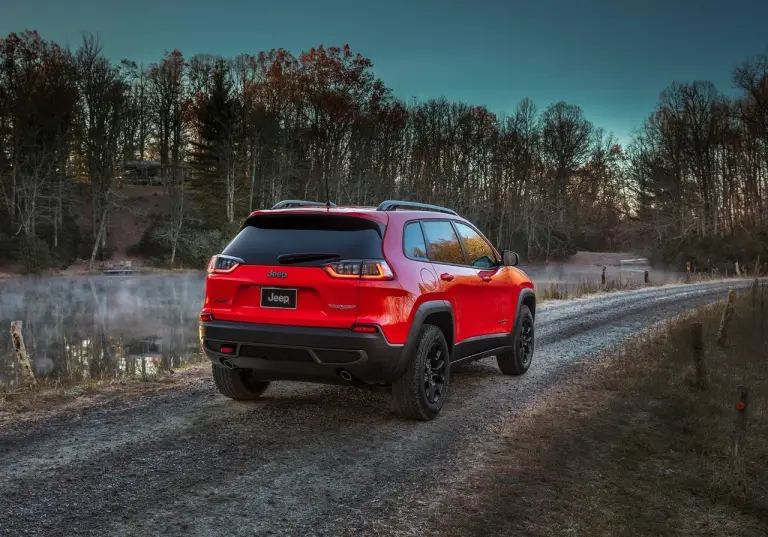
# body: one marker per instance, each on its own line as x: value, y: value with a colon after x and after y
x: 295, y: 431
x: 298, y: 401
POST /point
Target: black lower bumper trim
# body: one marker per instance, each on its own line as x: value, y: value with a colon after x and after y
x: 278, y: 352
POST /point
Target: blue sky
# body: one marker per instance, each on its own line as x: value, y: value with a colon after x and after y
x: 611, y: 58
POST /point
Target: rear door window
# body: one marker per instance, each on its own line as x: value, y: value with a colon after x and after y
x: 480, y: 253
x: 443, y: 245
x: 306, y: 239
x: 414, y: 245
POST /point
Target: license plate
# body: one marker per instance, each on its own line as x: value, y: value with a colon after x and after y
x: 272, y: 297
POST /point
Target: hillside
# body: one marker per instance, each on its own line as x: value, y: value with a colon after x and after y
x: 125, y: 228
x: 144, y: 204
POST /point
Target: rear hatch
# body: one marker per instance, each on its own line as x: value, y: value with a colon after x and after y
x: 281, y: 271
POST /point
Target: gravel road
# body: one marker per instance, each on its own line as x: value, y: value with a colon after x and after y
x: 305, y: 460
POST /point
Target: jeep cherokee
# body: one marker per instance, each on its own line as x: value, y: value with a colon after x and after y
x: 390, y: 297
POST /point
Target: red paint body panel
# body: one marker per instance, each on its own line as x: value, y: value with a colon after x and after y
x: 236, y: 297
x: 484, y: 301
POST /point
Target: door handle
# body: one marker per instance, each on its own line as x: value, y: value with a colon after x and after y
x: 486, y: 278
x: 446, y: 277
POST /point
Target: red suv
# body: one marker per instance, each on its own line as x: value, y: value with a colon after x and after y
x: 388, y: 297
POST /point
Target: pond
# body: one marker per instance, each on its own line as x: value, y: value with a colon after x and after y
x: 81, y: 328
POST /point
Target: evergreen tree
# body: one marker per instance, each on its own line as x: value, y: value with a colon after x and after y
x: 215, y: 150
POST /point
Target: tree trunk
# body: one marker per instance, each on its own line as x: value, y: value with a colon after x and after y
x: 96, y: 243
x: 253, y: 180
x: 56, y: 228
x: 27, y: 375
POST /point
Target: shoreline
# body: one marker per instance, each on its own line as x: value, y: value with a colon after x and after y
x: 68, y: 273
x: 57, y: 392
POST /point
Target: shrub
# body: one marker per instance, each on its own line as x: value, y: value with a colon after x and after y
x: 8, y: 247
x: 34, y: 254
x: 149, y: 246
x: 70, y: 240
x: 707, y: 253
x: 195, y: 246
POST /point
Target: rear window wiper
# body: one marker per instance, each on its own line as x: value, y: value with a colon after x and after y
x: 287, y: 259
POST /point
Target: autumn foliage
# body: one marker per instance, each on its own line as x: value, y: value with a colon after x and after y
x: 235, y: 134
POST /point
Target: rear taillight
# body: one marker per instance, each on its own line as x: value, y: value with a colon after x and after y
x: 206, y: 317
x: 223, y: 264
x: 359, y: 270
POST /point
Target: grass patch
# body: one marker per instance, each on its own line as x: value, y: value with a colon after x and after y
x: 51, y: 393
x: 568, y: 290
x: 628, y: 447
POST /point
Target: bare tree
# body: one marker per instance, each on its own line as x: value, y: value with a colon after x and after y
x: 104, y: 103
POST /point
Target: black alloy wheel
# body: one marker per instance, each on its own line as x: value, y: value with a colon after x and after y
x: 526, y: 341
x: 517, y: 359
x: 435, y: 367
x: 420, y: 392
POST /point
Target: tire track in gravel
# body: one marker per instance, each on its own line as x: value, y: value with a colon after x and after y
x: 306, y: 459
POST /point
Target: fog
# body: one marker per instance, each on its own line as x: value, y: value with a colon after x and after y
x: 79, y: 328
x: 569, y: 275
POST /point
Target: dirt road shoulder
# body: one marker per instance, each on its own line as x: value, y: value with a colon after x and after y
x: 628, y: 446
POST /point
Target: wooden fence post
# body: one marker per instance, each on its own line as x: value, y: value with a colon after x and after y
x: 740, y: 429
x: 602, y: 277
x: 722, y: 333
x: 645, y: 277
x: 755, y: 286
x: 27, y: 375
x: 697, y: 342
x: 739, y: 440
x: 738, y: 272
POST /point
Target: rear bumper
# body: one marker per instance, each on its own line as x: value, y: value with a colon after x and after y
x: 279, y: 352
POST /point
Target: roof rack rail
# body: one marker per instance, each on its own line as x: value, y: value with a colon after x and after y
x: 393, y: 205
x: 290, y: 204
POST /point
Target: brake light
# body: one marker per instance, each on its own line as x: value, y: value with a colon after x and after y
x: 206, y: 317
x: 360, y: 270
x: 223, y: 264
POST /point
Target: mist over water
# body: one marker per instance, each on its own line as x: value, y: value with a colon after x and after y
x: 80, y: 328
x: 568, y: 275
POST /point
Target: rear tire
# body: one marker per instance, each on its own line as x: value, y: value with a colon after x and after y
x: 238, y: 384
x: 517, y: 361
x: 420, y: 393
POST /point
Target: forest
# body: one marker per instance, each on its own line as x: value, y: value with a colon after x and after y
x: 232, y: 135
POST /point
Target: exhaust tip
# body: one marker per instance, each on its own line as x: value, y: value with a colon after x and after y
x: 226, y: 363
x: 346, y: 375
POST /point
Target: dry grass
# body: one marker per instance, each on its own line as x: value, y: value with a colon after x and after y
x: 50, y: 393
x: 566, y: 290
x: 628, y: 447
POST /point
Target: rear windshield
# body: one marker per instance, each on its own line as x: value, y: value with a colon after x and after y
x: 287, y: 239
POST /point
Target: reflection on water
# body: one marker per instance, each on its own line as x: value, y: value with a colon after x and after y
x: 84, y: 328
x: 106, y: 327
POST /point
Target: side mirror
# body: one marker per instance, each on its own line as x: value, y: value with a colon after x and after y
x: 509, y: 258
